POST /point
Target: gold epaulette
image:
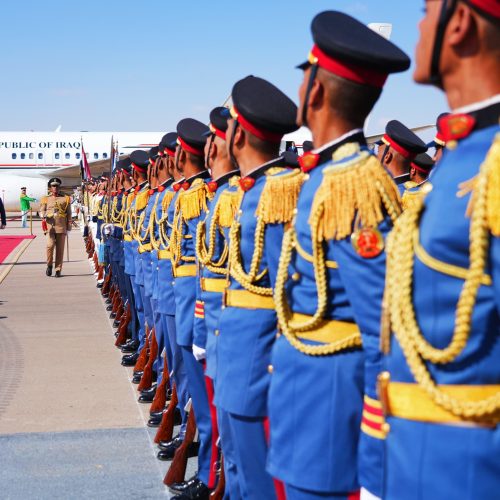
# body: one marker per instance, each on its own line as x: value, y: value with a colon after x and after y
x: 279, y: 197
x: 354, y: 190
x: 130, y: 198
x: 167, y: 199
x: 411, y: 198
x: 193, y: 201
x: 227, y: 206
x: 492, y: 166
x: 44, y: 200
x: 142, y: 200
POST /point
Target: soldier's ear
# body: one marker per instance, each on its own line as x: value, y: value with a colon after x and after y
x: 317, y: 94
x: 413, y: 172
x: 388, y: 157
x: 239, y: 137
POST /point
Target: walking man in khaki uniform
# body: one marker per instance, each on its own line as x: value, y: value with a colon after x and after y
x: 55, y: 210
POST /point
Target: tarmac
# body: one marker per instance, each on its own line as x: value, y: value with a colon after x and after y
x: 70, y: 423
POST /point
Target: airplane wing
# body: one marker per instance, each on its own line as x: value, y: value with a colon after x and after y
x: 73, y: 173
x: 372, y: 139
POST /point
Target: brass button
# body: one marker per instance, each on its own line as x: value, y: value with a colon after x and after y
x: 278, y: 335
x: 295, y: 276
x: 306, y: 177
x: 216, y: 333
x: 385, y: 428
x: 270, y: 368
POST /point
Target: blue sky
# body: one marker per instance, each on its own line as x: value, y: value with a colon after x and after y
x: 126, y: 65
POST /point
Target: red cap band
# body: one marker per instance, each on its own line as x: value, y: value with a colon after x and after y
x: 345, y: 70
x: 217, y: 132
x: 420, y: 169
x: 257, y: 132
x: 491, y: 7
x: 139, y: 168
x: 188, y: 148
x: 397, y: 147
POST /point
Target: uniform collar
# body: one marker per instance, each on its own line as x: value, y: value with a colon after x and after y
x: 401, y: 179
x: 261, y: 170
x: 205, y: 174
x: 322, y: 155
x: 222, y: 180
x: 476, y: 106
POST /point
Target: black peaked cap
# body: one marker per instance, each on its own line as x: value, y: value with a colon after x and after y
x: 140, y: 158
x: 424, y: 161
x: 405, y: 138
x: 264, y: 105
x: 344, y: 38
x: 193, y: 133
x: 153, y: 152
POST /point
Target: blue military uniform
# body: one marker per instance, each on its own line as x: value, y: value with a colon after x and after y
x: 326, y: 437
x: 190, y: 208
x: 247, y: 326
x: 442, y: 386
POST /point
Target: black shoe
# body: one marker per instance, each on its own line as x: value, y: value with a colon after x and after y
x: 58, y: 274
x: 147, y: 395
x: 48, y: 271
x: 112, y: 315
x: 154, y: 414
x: 137, y: 377
x: 182, y: 486
x: 192, y: 489
x: 108, y: 301
x: 130, y: 359
x: 167, y: 448
x: 116, y: 323
x: 100, y: 285
x: 109, y: 308
x: 130, y: 346
x: 105, y: 295
x: 155, y: 421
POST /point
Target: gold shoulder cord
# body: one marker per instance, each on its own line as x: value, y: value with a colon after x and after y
x: 353, y: 193
x: 400, y: 252
x: 223, y: 215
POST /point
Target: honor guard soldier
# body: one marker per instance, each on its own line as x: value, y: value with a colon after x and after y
x: 166, y: 298
x: 420, y: 168
x: 190, y: 208
x: 136, y: 200
x: 438, y: 143
x: 397, y: 148
x: 442, y: 387
x: 212, y: 248
x: 55, y: 210
x: 330, y: 284
x: 261, y: 115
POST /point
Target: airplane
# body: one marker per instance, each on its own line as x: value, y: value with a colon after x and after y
x: 30, y: 159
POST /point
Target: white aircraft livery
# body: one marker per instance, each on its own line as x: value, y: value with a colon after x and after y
x: 30, y: 159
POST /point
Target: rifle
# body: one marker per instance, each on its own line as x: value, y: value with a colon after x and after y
x: 177, y: 470
x: 161, y: 391
x: 147, y: 375
x: 218, y: 493
x: 166, y: 429
x: 143, y: 355
x: 123, y: 328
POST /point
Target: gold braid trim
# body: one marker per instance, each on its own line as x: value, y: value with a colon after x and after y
x: 223, y: 216
x: 142, y: 200
x: 410, y: 198
x: 493, y: 194
x: 358, y: 190
x: 167, y: 199
x: 279, y: 197
x: 194, y: 201
x: 416, y: 349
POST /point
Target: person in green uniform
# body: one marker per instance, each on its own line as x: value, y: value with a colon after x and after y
x: 25, y: 200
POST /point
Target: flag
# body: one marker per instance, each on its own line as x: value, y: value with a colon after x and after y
x: 85, y: 164
x: 114, y: 156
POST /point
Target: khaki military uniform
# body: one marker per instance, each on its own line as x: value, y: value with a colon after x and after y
x: 57, y: 212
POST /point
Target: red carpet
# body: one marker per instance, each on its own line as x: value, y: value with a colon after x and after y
x: 9, y: 243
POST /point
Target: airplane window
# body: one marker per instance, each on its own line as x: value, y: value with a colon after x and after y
x: 40, y: 156
x: 77, y: 156
x: 56, y: 156
x: 105, y: 155
x: 23, y: 156
x: 96, y: 156
x: 31, y: 156
x: 14, y: 156
x: 67, y: 156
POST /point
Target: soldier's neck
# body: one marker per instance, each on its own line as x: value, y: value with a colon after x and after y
x: 251, y: 159
x: 327, y: 128
x: 190, y: 169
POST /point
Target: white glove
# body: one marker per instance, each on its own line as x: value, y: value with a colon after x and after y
x: 198, y: 352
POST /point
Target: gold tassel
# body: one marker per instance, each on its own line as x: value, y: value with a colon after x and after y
x: 493, y: 189
x: 193, y: 201
x: 358, y: 189
x: 227, y: 206
x: 142, y: 200
x: 167, y: 199
x: 278, y: 200
x: 411, y: 199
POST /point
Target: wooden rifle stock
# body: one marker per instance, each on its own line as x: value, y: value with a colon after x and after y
x: 147, y: 375
x: 123, y: 328
x: 166, y: 429
x: 143, y: 356
x: 177, y: 470
x: 218, y: 493
x: 161, y: 391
